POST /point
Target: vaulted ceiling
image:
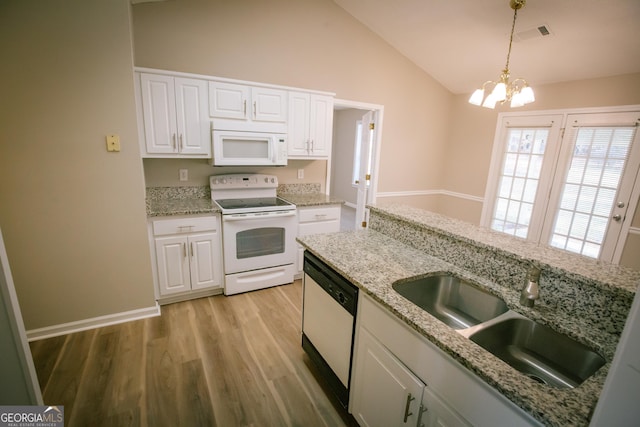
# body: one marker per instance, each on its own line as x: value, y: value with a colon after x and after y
x: 462, y: 43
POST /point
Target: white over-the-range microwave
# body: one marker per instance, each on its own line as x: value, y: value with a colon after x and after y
x: 248, y: 148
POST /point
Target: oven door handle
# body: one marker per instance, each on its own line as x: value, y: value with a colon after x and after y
x: 258, y: 215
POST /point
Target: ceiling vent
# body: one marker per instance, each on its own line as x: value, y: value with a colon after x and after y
x: 533, y: 33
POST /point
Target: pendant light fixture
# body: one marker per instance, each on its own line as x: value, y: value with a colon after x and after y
x: 517, y: 92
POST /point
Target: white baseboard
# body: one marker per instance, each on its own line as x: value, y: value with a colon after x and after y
x: 95, y: 322
x: 431, y: 193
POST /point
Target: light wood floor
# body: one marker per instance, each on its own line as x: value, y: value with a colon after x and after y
x: 218, y: 361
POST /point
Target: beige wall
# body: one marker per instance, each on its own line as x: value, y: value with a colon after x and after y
x: 165, y: 172
x: 311, y: 44
x: 73, y: 215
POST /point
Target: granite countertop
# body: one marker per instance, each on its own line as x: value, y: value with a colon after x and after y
x: 169, y: 207
x: 310, y: 199
x: 168, y: 201
x: 373, y: 261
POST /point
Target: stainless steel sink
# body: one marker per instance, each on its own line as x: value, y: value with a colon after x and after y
x: 539, y: 352
x: 454, y: 301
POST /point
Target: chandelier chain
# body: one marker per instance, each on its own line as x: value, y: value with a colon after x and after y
x: 513, y: 26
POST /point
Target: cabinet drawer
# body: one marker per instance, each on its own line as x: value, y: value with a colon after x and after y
x: 328, y: 213
x: 318, y: 227
x: 163, y: 227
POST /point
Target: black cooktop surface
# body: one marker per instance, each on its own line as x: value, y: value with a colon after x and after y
x: 251, y: 203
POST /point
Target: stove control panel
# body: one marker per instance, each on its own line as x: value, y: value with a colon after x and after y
x: 236, y: 181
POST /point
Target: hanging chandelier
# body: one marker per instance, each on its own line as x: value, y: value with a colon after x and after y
x: 517, y: 92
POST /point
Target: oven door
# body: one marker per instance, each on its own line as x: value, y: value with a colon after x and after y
x: 258, y: 240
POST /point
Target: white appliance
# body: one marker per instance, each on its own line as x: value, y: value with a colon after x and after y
x: 328, y: 322
x: 242, y: 148
x: 258, y: 232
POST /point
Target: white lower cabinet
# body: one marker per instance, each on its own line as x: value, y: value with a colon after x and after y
x: 188, y: 255
x: 402, y: 379
x: 387, y: 393
x: 316, y: 220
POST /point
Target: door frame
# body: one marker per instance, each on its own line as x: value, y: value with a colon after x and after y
x: 375, y: 161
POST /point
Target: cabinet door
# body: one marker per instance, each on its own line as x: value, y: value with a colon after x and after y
x: 173, y: 265
x: 385, y: 392
x: 298, y: 134
x: 192, y: 118
x: 205, y: 256
x: 320, y: 125
x: 436, y: 413
x: 228, y: 100
x: 159, y: 113
x: 269, y: 105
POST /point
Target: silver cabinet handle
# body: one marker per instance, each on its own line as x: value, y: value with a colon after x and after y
x: 184, y: 250
x: 407, y: 414
x: 423, y: 409
x: 181, y: 144
x: 173, y: 141
x: 254, y: 109
x: 244, y: 108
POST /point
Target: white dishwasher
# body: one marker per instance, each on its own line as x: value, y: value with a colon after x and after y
x: 328, y: 323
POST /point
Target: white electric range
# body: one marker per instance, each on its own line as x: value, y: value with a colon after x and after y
x: 258, y: 232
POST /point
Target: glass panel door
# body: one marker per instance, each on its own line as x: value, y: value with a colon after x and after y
x: 519, y: 180
x: 593, y: 190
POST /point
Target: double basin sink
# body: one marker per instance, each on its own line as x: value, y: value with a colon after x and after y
x: 535, y: 350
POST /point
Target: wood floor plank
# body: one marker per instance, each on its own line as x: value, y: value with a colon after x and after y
x: 46, y: 354
x: 65, y: 380
x: 215, y: 361
x: 95, y: 379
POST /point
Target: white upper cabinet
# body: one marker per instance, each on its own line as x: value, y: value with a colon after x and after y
x: 310, y: 126
x: 174, y: 115
x: 238, y: 107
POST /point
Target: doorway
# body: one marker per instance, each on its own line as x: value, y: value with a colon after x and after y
x: 353, y: 168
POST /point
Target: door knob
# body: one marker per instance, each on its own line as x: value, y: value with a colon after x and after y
x: 617, y: 218
x: 620, y: 204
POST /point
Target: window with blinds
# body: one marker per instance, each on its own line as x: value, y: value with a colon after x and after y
x: 566, y: 180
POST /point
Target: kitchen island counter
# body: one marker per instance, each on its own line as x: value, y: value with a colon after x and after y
x: 373, y: 261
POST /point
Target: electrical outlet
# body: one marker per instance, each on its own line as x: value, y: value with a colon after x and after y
x: 113, y: 143
x: 184, y: 174
x: 300, y: 173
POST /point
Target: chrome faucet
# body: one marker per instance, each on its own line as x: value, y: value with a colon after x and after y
x: 531, y: 291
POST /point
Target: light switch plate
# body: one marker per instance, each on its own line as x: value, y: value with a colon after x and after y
x: 113, y: 143
x: 300, y: 173
x: 184, y: 174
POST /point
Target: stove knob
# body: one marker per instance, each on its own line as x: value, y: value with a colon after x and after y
x: 273, y: 180
x: 224, y: 180
x: 266, y: 179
